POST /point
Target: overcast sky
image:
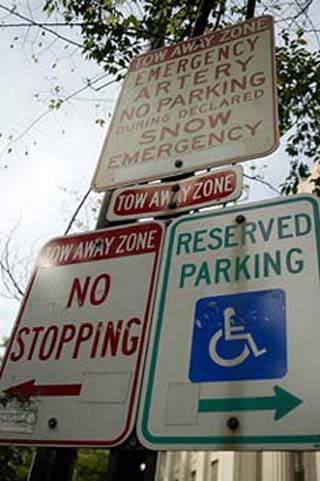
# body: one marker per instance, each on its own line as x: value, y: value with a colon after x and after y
x: 46, y: 165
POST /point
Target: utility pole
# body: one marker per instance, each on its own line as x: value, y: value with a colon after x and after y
x: 53, y: 464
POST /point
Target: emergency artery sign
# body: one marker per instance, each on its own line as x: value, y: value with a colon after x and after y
x: 72, y: 371
x: 207, y: 101
x: 219, y: 186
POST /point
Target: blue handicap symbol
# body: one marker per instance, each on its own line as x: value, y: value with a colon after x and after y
x: 239, y: 336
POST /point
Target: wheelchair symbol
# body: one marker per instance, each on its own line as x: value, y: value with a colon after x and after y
x: 231, y: 333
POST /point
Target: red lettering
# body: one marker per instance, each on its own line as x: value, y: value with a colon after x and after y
x: 111, y: 338
x: 85, y: 332
x: 221, y: 117
x: 169, y: 132
x: 96, y: 340
x: 15, y: 356
x: 147, y: 137
x: 36, y: 331
x: 129, y: 344
x: 78, y: 291
x: 98, y: 295
x: 53, y: 331
x: 67, y: 334
x: 102, y: 339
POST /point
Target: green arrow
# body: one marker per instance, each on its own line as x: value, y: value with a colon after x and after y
x: 282, y: 402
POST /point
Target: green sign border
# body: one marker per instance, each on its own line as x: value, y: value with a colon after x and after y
x: 230, y: 440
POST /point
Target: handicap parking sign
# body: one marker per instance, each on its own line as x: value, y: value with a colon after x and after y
x: 239, y: 336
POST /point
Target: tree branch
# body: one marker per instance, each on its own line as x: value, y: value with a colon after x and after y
x: 9, y: 280
x: 40, y: 25
x: 205, y: 8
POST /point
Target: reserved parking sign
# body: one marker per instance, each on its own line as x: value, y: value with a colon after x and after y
x: 235, y: 333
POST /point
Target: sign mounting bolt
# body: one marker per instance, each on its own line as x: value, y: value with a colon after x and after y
x: 99, y: 242
x: 233, y: 423
x: 52, y: 423
x: 240, y: 219
x: 178, y: 163
x: 175, y: 188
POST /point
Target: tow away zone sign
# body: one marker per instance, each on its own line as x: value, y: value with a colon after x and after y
x: 72, y: 370
x: 205, y: 102
x: 216, y: 187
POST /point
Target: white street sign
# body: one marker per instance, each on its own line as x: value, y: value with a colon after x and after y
x: 233, y: 357
x: 72, y: 371
x: 167, y: 198
x: 201, y: 103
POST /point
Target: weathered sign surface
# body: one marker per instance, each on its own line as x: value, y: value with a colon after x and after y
x: 72, y: 370
x: 218, y: 186
x: 233, y: 358
x: 201, y: 103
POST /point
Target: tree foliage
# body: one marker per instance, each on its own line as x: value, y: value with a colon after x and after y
x: 14, y: 463
x: 298, y: 76
x: 115, y: 31
x: 91, y: 465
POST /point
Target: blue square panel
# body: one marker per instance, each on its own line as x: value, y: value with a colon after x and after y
x: 239, y: 336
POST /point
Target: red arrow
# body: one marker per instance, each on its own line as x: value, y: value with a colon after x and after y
x: 30, y: 388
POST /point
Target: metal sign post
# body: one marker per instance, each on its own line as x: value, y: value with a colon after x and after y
x: 53, y: 464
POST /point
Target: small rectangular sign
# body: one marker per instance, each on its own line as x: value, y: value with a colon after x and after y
x: 201, y: 103
x: 167, y: 198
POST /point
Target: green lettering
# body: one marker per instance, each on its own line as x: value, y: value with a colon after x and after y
x: 273, y: 263
x: 248, y: 230
x: 214, y: 235
x: 242, y: 268
x: 198, y: 239
x: 184, y: 241
x: 222, y: 267
x: 203, y: 275
x: 230, y: 232
x: 302, y: 224
x: 187, y: 270
x: 256, y: 266
x: 282, y: 226
x: 266, y: 231
x: 294, y: 264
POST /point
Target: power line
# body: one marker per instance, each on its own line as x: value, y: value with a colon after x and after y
x: 76, y: 212
x: 262, y: 181
x: 40, y: 25
x: 43, y: 24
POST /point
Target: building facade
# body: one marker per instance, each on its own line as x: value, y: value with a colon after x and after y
x: 238, y: 466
